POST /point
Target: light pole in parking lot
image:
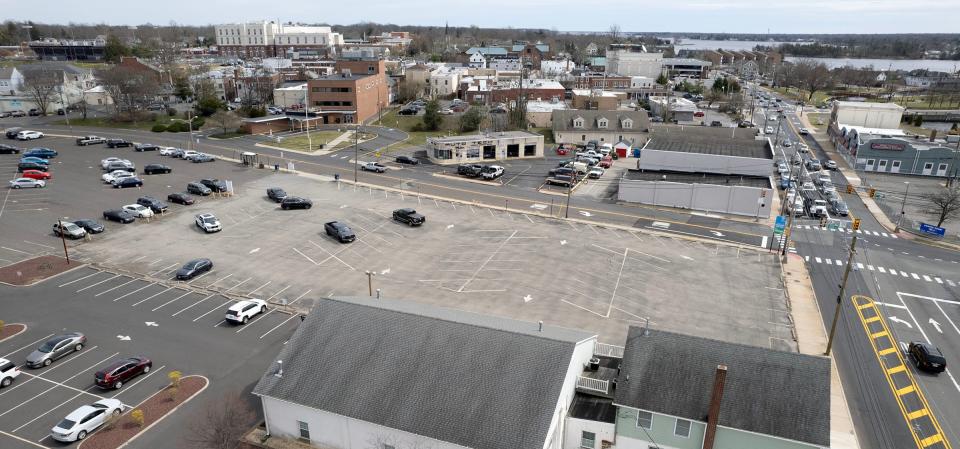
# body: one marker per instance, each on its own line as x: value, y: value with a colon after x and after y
x: 63, y: 239
x: 370, y: 276
x: 902, y: 206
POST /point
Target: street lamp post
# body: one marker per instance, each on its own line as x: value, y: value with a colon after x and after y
x: 903, y: 204
x: 63, y: 239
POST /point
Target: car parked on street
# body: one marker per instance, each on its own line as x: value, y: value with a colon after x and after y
x: 839, y: 207
x: 295, y: 202
x: 198, y: 189
x: 27, y: 183
x: 114, y: 375
x: 180, y: 198
x: 8, y: 372
x: 90, y: 225
x: 84, y: 420
x: 408, y: 160
x: 276, y: 194
x: 339, y: 231
x: 56, y: 348
x: 243, y: 311
x: 152, y: 169
x: 138, y: 210
x: 68, y: 229
x: 194, y: 268
x: 830, y: 165
x: 409, y: 216
x: 119, y: 216
x: 208, y: 223
x: 927, y: 357
x: 117, y: 143
x: 157, y: 206
x: 595, y: 173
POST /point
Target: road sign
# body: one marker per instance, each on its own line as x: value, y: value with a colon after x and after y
x: 779, y: 225
x: 932, y: 230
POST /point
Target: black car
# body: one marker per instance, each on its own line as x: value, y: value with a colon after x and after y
x: 198, y: 189
x: 339, y: 231
x: 119, y: 215
x: 180, y: 198
x: 154, y: 204
x: 409, y: 216
x: 152, y: 169
x: 562, y: 171
x: 128, y: 182
x: 470, y: 170
x: 295, y: 202
x: 146, y: 147
x: 194, y: 268
x: 23, y: 166
x: 927, y: 358
x: 11, y: 133
x: 407, y: 160
x: 215, y: 185
x: 34, y: 112
x: 276, y: 194
x: 89, y: 225
x: 117, y: 143
x: 7, y: 149
x: 407, y: 111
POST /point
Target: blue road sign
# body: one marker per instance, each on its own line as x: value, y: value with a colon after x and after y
x: 932, y: 230
x: 779, y: 224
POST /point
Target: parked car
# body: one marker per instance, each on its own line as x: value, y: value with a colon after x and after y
x: 90, y: 140
x: 84, y: 420
x: 141, y: 147
x: 117, y: 143
x: 8, y: 372
x: 68, y: 229
x: 214, y: 184
x: 201, y: 157
x: 119, y: 216
x: 339, y: 231
x: 407, y: 111
x: 276, y: 194
x: 817, y: 208
x: 138, y: 210
x: 561, y: 171
x: 595, y: 173
x: 180, y: 198
x: 7, y: 149
x: 29, y: 135
x: 36, y: 174
x: 295, y: 202
x: 24, y: 166
x: 132, y: 181
x: 409, y: 216
x: 716, y: 124
x: 25, y: 183
x: 34, y: 112
x: 107, y: 161
x: 804, y: 131
x: 814, y: 165
x: 11, y: 133
x: 469, y: 169
x: 18, y: 113
x: 154, y: 204
x: 41, y: 152
x: 122, y: 165
x: 445, y: 111
x: 115, y: 175
x: 198, y: 189
x: 187, y: 154
x: 115, y: 374
x: 374, y: 167
x: 89, y: 225
x: 243, y: 311
x: 35, y: 160
x: 208, y: 223
x: 152, y: 169
x: 926, y: 357
x: 407, y: 160
x: 698, y: 114
x: 56, y: 348
x: 194, y: 268
x: 830, y: 165
x: 491, y: 172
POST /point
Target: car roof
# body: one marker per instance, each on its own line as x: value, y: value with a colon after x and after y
x: 118, y: 363
x: 241, y: 304
x: 80, y: 413
x: 206, y: 215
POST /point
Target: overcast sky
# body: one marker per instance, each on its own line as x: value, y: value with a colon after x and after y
x: 733, y: 16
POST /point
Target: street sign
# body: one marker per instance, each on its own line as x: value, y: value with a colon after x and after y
x: 932, y: 230
x: 780, y: 224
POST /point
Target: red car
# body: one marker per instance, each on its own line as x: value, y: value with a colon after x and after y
x: 36, y: 174
x: 114, y: 375
x: 698, y: 114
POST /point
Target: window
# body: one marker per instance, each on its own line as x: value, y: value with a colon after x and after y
x: 513, y: 150
x: 439, y: 153
x: 304, y: 430
x: 602, y: 123
x: 588, y: 439
x: 530, y: 149
x: 627, y: 123
x: 578, y: 123
x: 682, y: 429
x: 489, y: 152
x: 645, y: 420
x: 473, y: 153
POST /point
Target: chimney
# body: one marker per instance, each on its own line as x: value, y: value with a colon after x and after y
x: 541, y: 327
x: 714, y: 413
x: 279, y: 372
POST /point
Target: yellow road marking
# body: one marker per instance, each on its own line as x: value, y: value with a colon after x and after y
x: 897, y: 369
x: 931, y: 440
x: 879, y: 334
x: 906, y: 390
x: 918, y: 414
x: 888, y: 351
x: 870, y: 320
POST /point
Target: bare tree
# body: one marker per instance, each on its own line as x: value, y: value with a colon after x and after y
x: 812, y: 76
x: 614, y: 33
x: 225, y: 120
x: 221, y: 424
x: 131, y: 89
x: 945, y: 203
x: 41, y: 86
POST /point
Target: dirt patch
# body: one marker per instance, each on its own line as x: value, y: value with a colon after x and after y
x: 10, y: 330
x: 30, y: 271
x: 154, y: 408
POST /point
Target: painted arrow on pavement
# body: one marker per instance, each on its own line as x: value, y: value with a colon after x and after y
x: 527, y: 298
x: 151, y: 323
x: 585, y: 213
x: 935, y: 325
x: 124, y: 337
x: 898, y: 320
x: 717, y: 233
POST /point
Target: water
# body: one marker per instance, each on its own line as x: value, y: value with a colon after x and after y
x: 890, y: 64
x: 699, y: 44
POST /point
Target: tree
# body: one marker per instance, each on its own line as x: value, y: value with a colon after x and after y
x: 431, y: 116
x: 712, y: 96
x: 181, y: 88
x: 945, y: 203
x: 132, y: 90
x: 470, y: 120
x: 225, y: 120
x: 662, y: 79
x: 812, y: 76
x: 208, y: 105
x: 41, y: 86
x: 221, y: 424
x: 115, y: 49
x: 614, y: 33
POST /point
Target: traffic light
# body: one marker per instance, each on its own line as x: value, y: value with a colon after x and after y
x: 849, y: 188
x: 856, y: 224
x: 873, y: 192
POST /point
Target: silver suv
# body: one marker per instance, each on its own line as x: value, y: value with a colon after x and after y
x: 208, y: 222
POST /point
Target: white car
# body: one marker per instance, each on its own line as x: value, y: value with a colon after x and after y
x: 115, y: 175
x: 8, y: 372
x: 595, y: 173
x: 84, y: 420
x: 138, y: 210
x: 243, y: 311
x: 106, y: 162
x: 491, y: 172
x: 187, y: 153
x: 804, y: 131
x: 167, y: 151
x: 23, y: 183
x: 208, y: 222
x: 769, y: 130
x: 831, y: 165
x: 374, y: 166
x: 29, y: 135
x: 446, y: 111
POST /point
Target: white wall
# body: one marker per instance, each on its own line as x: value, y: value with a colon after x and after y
x: 737, y: 200
x: 869, y: 118
x: 652, y: 159
x: 578, y: 136
x: 582, y: 354
x: 334, y: 431
x: 575, y: 427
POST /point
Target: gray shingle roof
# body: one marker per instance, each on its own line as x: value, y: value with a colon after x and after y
x: 478, y: 381
x: 563, y: 120
x: 53, y: 66
x: 783, y: 394
x: 710, y: 140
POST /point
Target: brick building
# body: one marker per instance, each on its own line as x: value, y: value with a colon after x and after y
x: 347, y: 97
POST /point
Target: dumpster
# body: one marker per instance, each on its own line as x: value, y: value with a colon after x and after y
x: 636, y: 152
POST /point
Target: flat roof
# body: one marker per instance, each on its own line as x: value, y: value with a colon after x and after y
x: 341, y: 76
x: 593, y: 408
x: 740, y: 142
x: 868, y: 105
x: 476, y: 137
x: 698, y: 178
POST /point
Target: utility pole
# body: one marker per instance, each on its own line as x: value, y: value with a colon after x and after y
x: 566, y: 210
x: 902, y: 206
x: 786, y: 234
x: 306, y: 116
x: 190, y: 128
x: 370, y: 276
x: 63, y: 239
x: 843, y: 287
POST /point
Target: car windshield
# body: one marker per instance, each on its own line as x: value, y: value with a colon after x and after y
x: 66, y: 424
x: 210, y: 220
x: 192, y: 264
x: 48, y: 346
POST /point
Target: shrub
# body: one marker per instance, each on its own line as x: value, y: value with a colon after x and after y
x: 172, y: 391
x: 173, y: 127
x: 159, y: 128
x: 198, y: 122
x: 136, y: 417
x: 152, y: 116
x: 417, y: 127
x: 2, y: 324
x: 174, y: 377
x: 171, y: 112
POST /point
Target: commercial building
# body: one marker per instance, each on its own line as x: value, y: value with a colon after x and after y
x: 601, y: 100
x: 687, y: 67
x: 676, y: 391
x: 347, y: 97
x: 633, y: 60
x: 892, y: 151
x: 867, y: 115
x: 540, y: 113
x: 50, y: 49
x: 485, y: 148
x: 672, y: 108
x: 533, y: 89
x: 271, y: 39
x: 440, y: 378
x: 290, y: 97
x: 580, y: 126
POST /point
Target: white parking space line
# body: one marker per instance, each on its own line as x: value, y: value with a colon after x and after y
x: 154, y: 262
x: 56, y: 384
x: 137, y: 290
x: 12, y: 435
x: 114, y: 288
x: 17, y: 250
x: 170, y: 301
x: 78, y: 280
x: 218, y: 280
x: 98, y: 283
x: 154, y: 273
x: 272, y: 309
x: 39, y: 244
x: 74, y: 356
x: 277, y: 326
x: 129, y: 387
x: 151, y: 297
x: 258, y: 288
x: 191, y: 305
x: 212, y: 310
x: 199, y: 277
x: 53, y: 409
x: 332, y: 256
x: 238, y: 284
x: 27, y: 346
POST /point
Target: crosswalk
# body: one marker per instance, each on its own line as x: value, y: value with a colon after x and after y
x: 848, y: 231
x: 884, y: 270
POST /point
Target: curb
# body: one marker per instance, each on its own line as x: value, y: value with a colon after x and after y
x: 45, y: 279
x: 18, y: 333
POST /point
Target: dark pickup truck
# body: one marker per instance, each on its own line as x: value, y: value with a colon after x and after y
x: 117, y: 143
x: 470, y: 170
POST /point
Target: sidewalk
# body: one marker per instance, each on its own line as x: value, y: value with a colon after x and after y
x: 812, y: 340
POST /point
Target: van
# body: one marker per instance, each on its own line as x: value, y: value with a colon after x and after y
x: 581, y: 167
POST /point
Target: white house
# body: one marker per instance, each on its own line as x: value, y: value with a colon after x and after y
x: 97, y: 96
x: 389, y: 374
x: 445, y: 80
x: 504, y: 63
x: 478, y: 61
x: 10, y: 80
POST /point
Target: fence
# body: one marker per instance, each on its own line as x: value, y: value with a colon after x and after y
x: 589, y: 383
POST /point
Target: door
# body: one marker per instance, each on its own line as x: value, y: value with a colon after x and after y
x: 927, y: 168
x: 869, y: 166
x: 882, y: 166
x: 895, y: 167
x: 61, y: 349
x: 942, y: 169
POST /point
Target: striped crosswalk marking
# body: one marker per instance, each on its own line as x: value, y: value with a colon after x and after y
x: 859, y: 265
x: 927, y: 278
x: 839, y: 262
x: 915, y: 276
x: 818, y: 260
x: 904, y: 274
x: 951, y: 283
x: 882, y: 270
x: 870, y: 267
x: 829, y: 262
x: 939, y: 281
